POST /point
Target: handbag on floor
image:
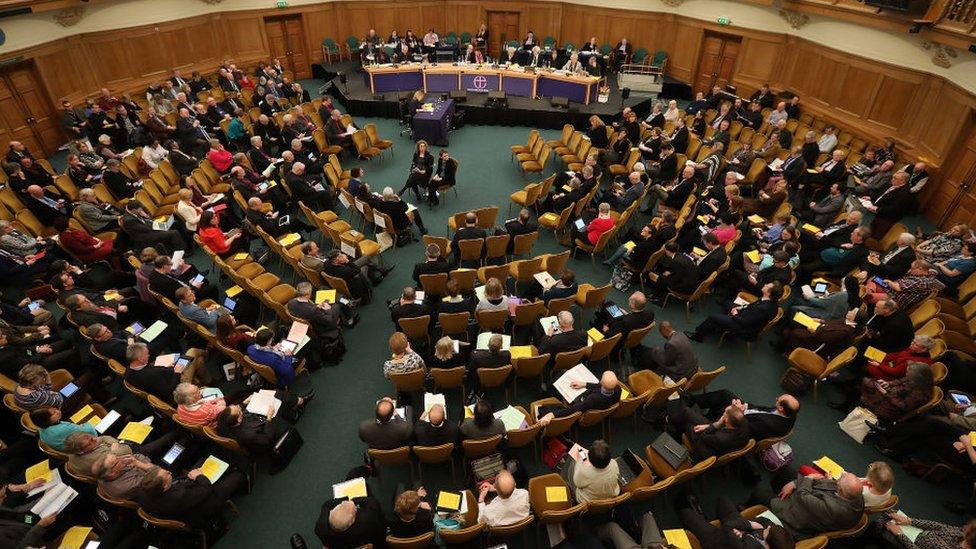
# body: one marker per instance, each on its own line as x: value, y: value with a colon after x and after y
x: 285, y: 448
x: 854, y: 424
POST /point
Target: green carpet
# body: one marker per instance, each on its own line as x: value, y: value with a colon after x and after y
x: 290, y: 501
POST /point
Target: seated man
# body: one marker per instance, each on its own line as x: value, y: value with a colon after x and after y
x: 311, y: 194
x: 598, y: 396
x: 359, y: 274
x: 387, y: 430
x: 493, y: 356
x: 565, y: 286
x: 281, y: 361
x: 894, y: 263
x: 595, y: 477
x: 350, y: 523
x: 399, y: 211
x: 189, y: 309
x: 743, y: 321
x: 84, y: 450
x: 675, y: 272
x: 407, y: 307
x: 435, y: 430
x: 433, y: 263
x: 741, y: 281
x: 257, y: 433
x: 120, y: 476
x: 159, y: 381
x: 638, y: 317
x: 895, y: 364
x: 810, y: 506
x: 324, y: 318
x: 839, y: 260
x: 955, y: 270
x: 675, y: 358
x: 141, y: 231
x: 734, y: 531
x: 192, y: 499
x: 470, y: 231
x: 271, y: 221
x: 563, y: 337
x: 509, y: 505
x: 764, y: 421
x: 728, y: 433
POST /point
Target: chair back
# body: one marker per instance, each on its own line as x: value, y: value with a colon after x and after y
x: 555, y: 263
x: 525, y: 269
x: 530, y: 366
x: 462, y: 535
x: 524, y: 242
x: 163, y: 523
x: 492, y: 321
x: 490, y: 378
x: 471, y: 249
x: 568, y: 359
x: 454, y: 324
x: 558, y: 305
x: 410, y: 381
x: 560, y: 425
x: 496, y: 246
x: 523, y: 437
x: 434, y: 454
x: 418, y: 542
x: 448, y: 378
x: 736, y: 454
x: 474, y: 449
x: 600, y: 350
x: 396, y: 456
x: 593, y: 297
x: 634, y: 337
x: 701, y: 379
x: 595, y: 417
x: 600, y: 506
x: 549, y: 512
x: 527, y: 313
x: 434, y: 284
x: 511, y: 529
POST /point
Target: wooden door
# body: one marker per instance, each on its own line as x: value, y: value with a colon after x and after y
x: 503, y: 26
x: 286, y: 41
x: 716, y: 62
x: 958, y: 185
x: 26, y: 114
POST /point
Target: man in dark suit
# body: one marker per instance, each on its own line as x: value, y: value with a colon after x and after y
x: 470, y: 231
x: 831, y: 171
x: 830, y: 236
x: 346, y: 524
x: 387, y: 430
x: 839, y: 260
x: 492, y: 357
x: 336, y: 133
x: 713, y: 259
x: 444, y: 175
x: 257, y: 433
x: 139, y: 226
x: 226, y: 81
x: 742, y: 321
x: 764, y: 97
x: 159, y: 381
x: 764, y: 421
x: 793, y: 166
x: 435, y: 430
x: 675, y: 358
x: 85, y: 312
x: 323, y: 317
x: 890, y: 329
x: 270, y: 134
x: 895, y: 262
x: 302, y: 189
x: 184, y: 163
x: 114, y: 344
x: 638, y: 317
x: 164, y: 281
x: 563, y: 337
x: 45, y: 205
x: 810, y: 150
x: 728, y: 433
x: 733, y: 531
x: 157, y: 125
x: 192, y: 499
x: 522, y: 224
x: 890, y: 205
x: 358, y: 274
x: 673, y: 195
x: 823, y: 212
x: 434, y: 263
x: 741, y: 281
x: 192, y: 136
x: 407, y: 307
x: 676, y: 272
x: 597, y: 396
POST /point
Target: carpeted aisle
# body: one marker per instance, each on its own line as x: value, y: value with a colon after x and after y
x: 290, y: 501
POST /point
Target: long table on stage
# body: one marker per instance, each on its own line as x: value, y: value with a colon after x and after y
x: 446, y: 78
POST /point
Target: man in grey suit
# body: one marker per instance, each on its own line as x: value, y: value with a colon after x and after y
x: 188, y: 308
x: 809, y: 506
x: 675, y: 359
x: 97, y: 216
x: 822, y: 213
x: 387, y: 430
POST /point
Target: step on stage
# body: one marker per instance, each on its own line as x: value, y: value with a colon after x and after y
x: 356, y: 96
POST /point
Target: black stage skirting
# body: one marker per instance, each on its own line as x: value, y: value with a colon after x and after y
x: 521, y: 111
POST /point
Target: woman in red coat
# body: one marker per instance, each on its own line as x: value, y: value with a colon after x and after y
x: 219, y: 157
x: 213, y: 237
x: 81, y: 244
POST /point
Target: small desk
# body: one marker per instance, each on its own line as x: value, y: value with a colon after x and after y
x: 433, y: 127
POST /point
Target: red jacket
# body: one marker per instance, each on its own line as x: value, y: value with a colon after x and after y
x: 222, y: 160
x: 597, y: 227
x: 214, y: 239
x: 82, y: 245
x: 895, y: 364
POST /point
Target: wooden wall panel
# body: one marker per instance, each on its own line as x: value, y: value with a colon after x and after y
x: 756, y: 62
x: 897, y: 97
x: 113, y: 66
x: 319, y: 23
x: 408, y: 17
x: 245, y: 35
x: 854, y: 91
x: 573, y: 21
x: 684, y: 58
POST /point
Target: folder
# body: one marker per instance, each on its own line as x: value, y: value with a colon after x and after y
x: 806, y: 320
x: 40, y: 470
x: 630, y: 245
x: 699, y: 252
x: 520, y: 351
x: 450, y: 501
x: 240, y: 256
x: 677, y: 538
x: 112, y: 295
x: 234, y: 290
x: 557, y: 494
x: 328, y: 296
x: 80, y: 415
x: 809, y: 170
x: 289, y: 239
x: 594, y: 335
x: 874, y: 354
x: 354, y: 488
x: 812, y: 228
x: 135, y: 432
x: 754, y: 256
x: 756, y: 219
x: 213, y: 468
x: 74, y: 537
x: 830, y: 467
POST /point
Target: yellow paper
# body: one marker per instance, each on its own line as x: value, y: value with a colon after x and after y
x: 629, y: 245
x: 595, y: 334
x: 328, y: 296
x: 816, y: 281
x: 757, y: 219
x: 811, y: 228
x: 520, y: 351
x: 549, y: 217
x: 82, y: 414
x: 289, y: 239
x: 677, y: 538
x: 112, y: 295
x: 271, y: 183
x: 557, y: 494
x: 240, y: 256
x: 567, y: 188
x: 812, y: 171
x: 703, y: 219
x: 38, y: 470
x: 754, y: 256
x: 874, y: 354
x: 806, y: 320
x: 75, y: 537
x: 830, y: 467
x: 972, y: 438
x: 94, y: 420
x: 135, y: 431
x: 212, y: 468
x: 449, y: 500
x: 161, y: 219
x: 624, y: 393
x: 235, y: 289
x: 355, y: 490
x: 698, y: 251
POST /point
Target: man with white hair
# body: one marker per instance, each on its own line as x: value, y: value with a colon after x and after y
x: 809, y: 506
x: 778, y: 114
x: 45, y: 205
x: 508, y: 56
x: 562, y: 337
x: 879, y: 179
x: 391, y: 205
x: 895, y: 262
x: 18, y: 243
x: 347, y: 524
x: 510, y: 505
x: 312, y: 195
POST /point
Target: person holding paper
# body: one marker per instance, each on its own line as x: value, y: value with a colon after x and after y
x: 304, y: 190
x: 139, y: 227
x: 445, y: 356
x: 166, y: 279
x: 399, y: 211
x: 741, y: 281
x: 484, y: 424
x: 810, y: 506
x: 435, y: 430
x: 160, y: 381
x: 192, y: 499
x: 597, y: 396
x: 262, y: 215
x: 350, y: 523
x: 388, y: 429
x: 734, y: 531
x: 742, y: 321
x: 510, y: 504
x: 14, y: 531
x: 221, y: 243
x: 254, y: 431
x: 337, y: 133
x: 52, y: 431
x: 890, y: 400
x: 563, y: 337
x: 278, y: 359
x: 324, y: 318
x: 359, y: 274
x: 895, y: 529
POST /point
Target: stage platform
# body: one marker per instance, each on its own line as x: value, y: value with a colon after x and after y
x: 521, y: 111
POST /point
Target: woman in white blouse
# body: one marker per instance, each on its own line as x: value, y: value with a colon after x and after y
x: 495, y: 299
x: 187, y: 211
x: 672, y: 114
x: 154, y: 154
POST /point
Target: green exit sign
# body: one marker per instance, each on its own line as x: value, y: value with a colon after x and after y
x: 281, y: 3
x: 721, y: 20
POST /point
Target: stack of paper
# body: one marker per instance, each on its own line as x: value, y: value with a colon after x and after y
x: 810, y: 228
x: 354, y: 488
x: 166, y: 360
x: 135, y: 431
x: 449, y: 501
x: 262, y: 400
x: 289, y: 239
x: 829, y: 467
x: 576, y: 373
x: 81, y: 415
x: 54, y: 500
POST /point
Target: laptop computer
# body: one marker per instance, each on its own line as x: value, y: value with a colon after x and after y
x: 629, y: 467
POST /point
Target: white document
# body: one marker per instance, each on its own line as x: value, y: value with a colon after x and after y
x: 261, y: 400
x: 344, y: 201
x: 348, y: 249
x: 419, y: 296
x: 548, y: 321
x: 107, y: 422
x: 545, y: 280
x: 430, y: 400
x: 51, y: 483
x: 577, y: 373
x: 177, y: 259
x: 483, y: 341
x: 479, y: 292
x: 350, y: 488
x: 379, y: 221
x: 166, y: 360
x: 54, y: 500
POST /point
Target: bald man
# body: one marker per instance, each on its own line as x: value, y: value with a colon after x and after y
x: 347, y: 524
x: 764, y: 421
x: 809, y: 506
x: 638, y: 316
x: 598, y: 396
x: 435, y: 430
x: 510, y: 504
x: 387, y: 430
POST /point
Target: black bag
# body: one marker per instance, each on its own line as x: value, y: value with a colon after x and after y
x: 332, y: 350
x: 671, y: 450
x: 284, y: 449
x: 487, y: 468
x: 404, y: 237
x: 796, y: 382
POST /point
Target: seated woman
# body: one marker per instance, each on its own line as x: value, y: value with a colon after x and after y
x: 220, y: 158
x: 412, y: 515
x: 222, y: 244
x: 940, y: 246
x: 106, y: 149
x: 895, y: 365
x: 766, y: 204
x: 445, y: 356
x: 279, y: 359
x: 453, y: 301
x: 404, y: 359
x: 82, y: 245
x: 189, y: 212
x: 593, y: 230
x: 154, y: 154
x: 483, y: 425
x: 231, y: 335
x: 889, y: 400
x: 34, y: 389
x: 924, y: 441
x: 565, y: 286
x: 52, y: 431
x: 831, y: 306
x: 495, y: 298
